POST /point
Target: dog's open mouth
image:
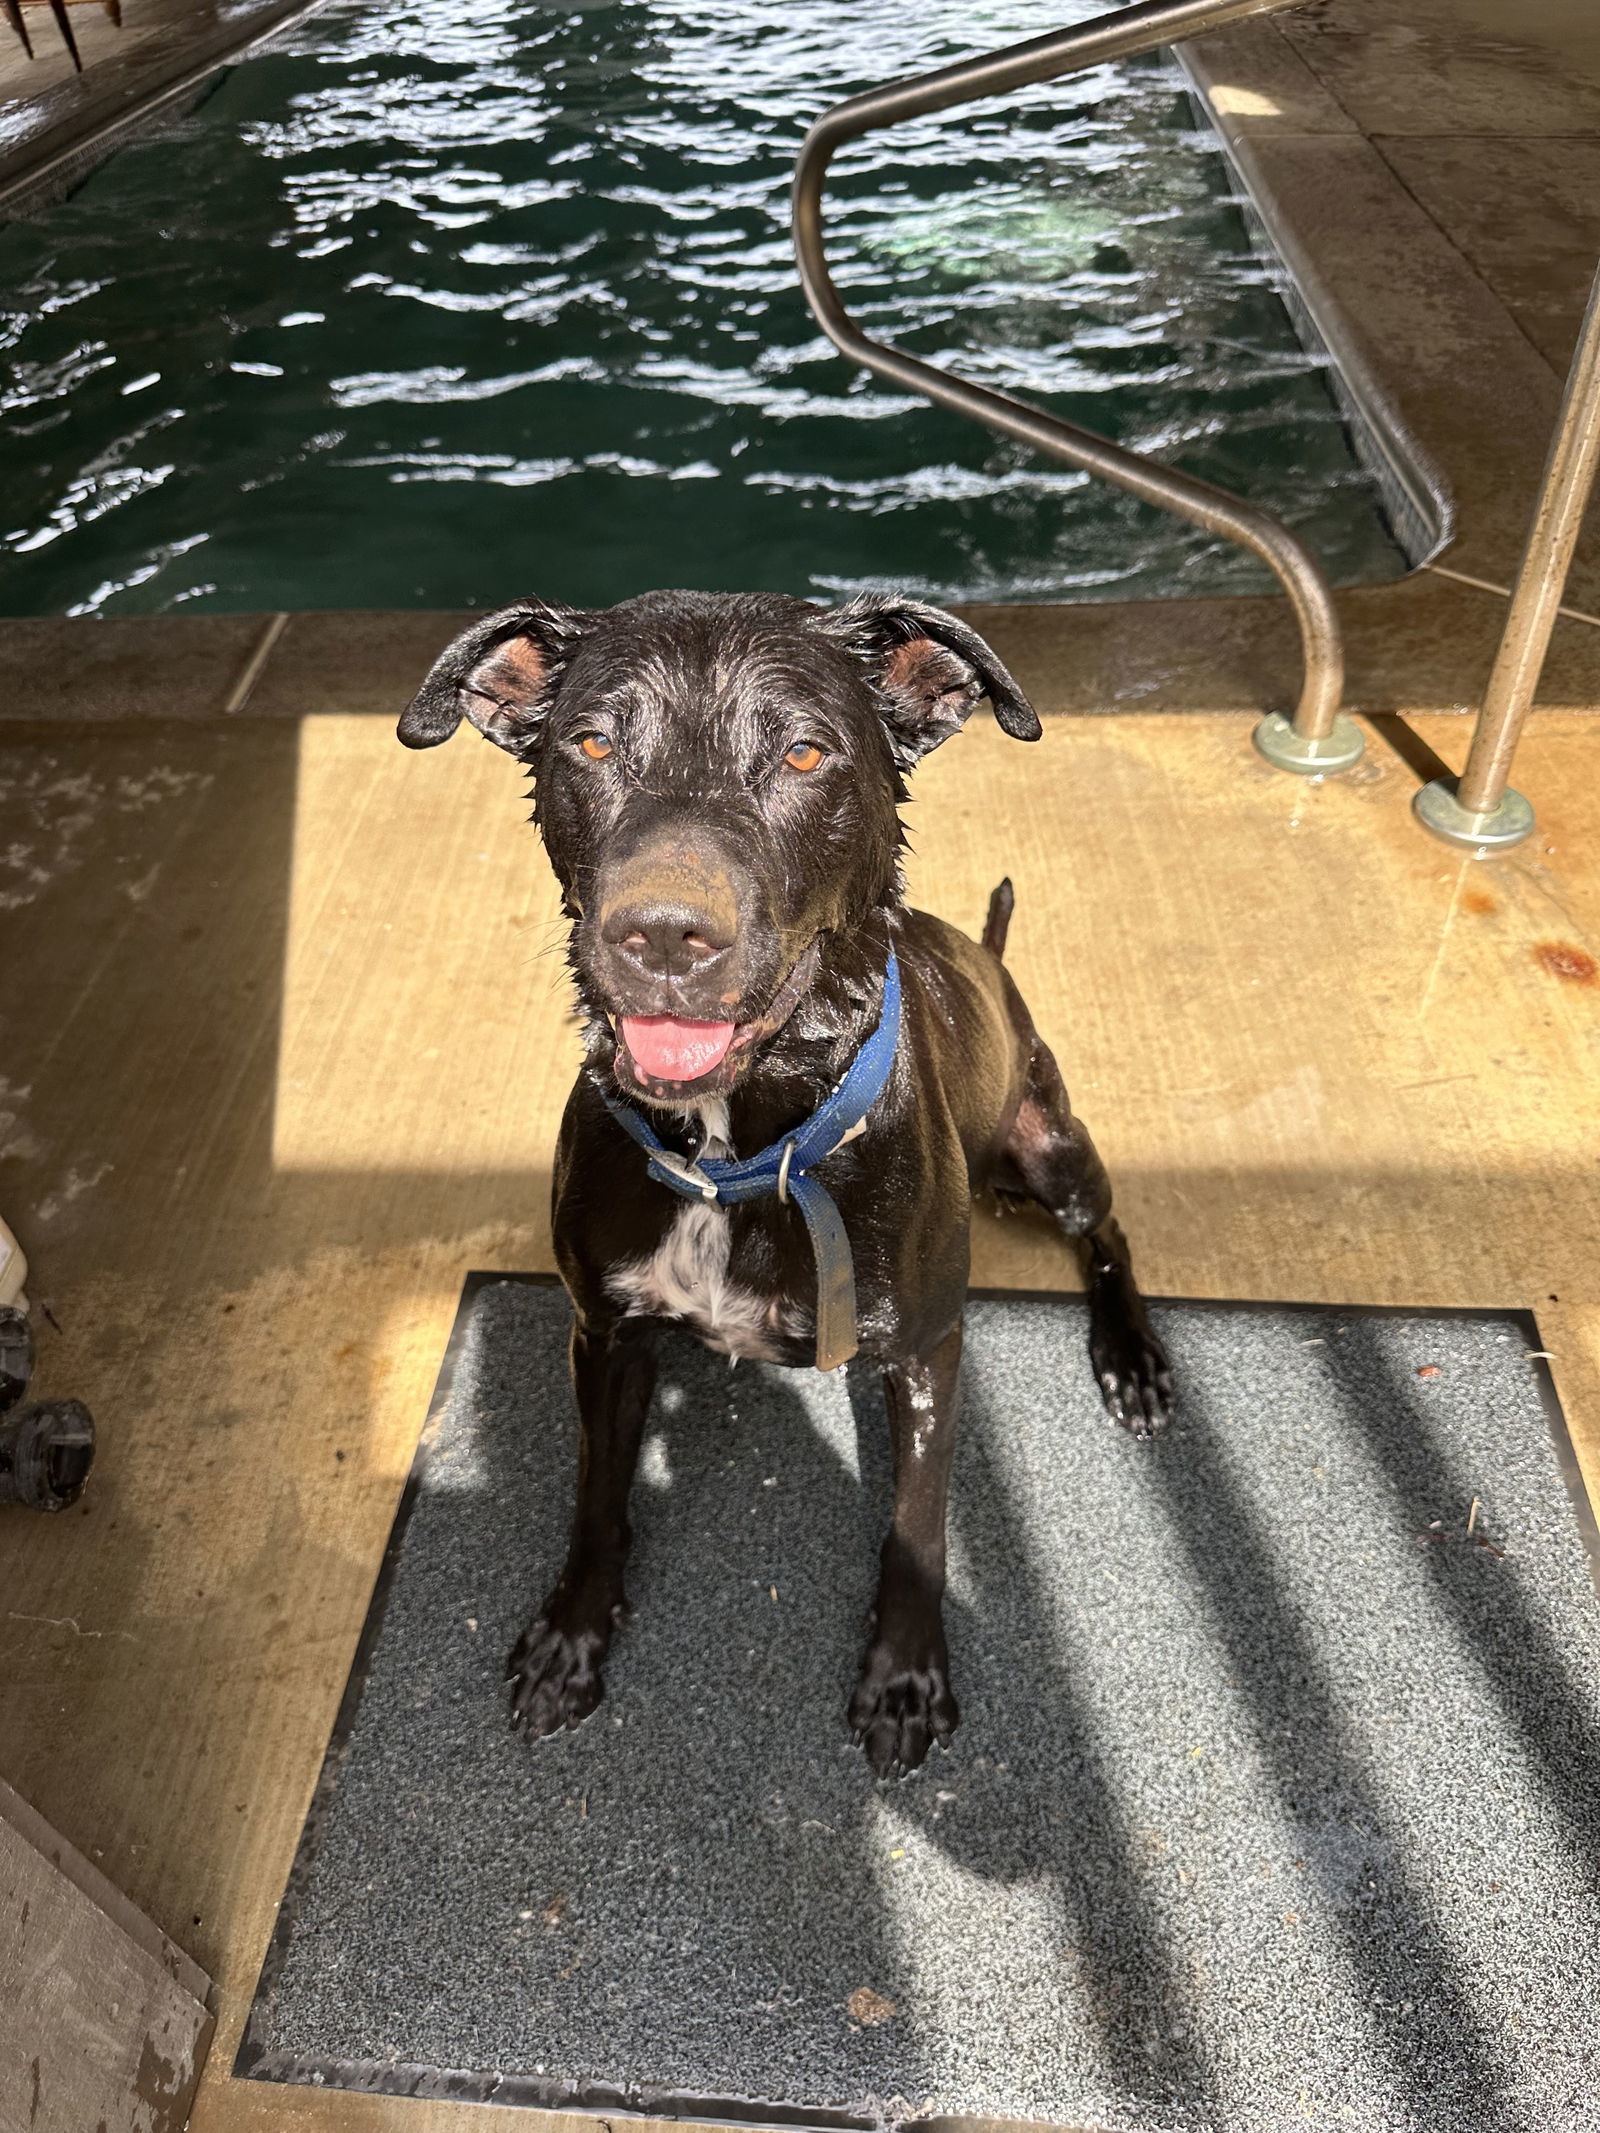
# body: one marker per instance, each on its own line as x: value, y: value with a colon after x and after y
x: 658, y: 1055
x: 665, y: 1048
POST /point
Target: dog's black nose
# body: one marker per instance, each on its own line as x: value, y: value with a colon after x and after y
x: 665, y: 939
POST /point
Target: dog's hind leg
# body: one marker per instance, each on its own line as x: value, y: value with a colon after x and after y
x: 555, y: 1668
x: 902, y: 1701
x: 1050, y: 1158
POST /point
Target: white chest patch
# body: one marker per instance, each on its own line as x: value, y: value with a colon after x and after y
x: 686, y: 1276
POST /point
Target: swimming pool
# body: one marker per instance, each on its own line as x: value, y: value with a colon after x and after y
x: 433, y: 307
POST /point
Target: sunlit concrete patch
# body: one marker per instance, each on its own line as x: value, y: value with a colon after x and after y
x: 427, y: 1013
x: 1243, y: 103
x: 426, y: 1009
x: 1273, y: 1802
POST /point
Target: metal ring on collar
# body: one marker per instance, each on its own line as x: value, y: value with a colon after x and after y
x: 691, y: 1173
x: 783, y: 1173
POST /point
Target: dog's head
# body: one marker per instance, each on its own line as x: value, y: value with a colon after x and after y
x: 717, y: 777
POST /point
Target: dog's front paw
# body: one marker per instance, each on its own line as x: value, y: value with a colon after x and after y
x: 1134, y: 1375
x: 898, y: 1709
x: 555, y: 1676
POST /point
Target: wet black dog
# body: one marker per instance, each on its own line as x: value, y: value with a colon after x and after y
x: 717, y: 780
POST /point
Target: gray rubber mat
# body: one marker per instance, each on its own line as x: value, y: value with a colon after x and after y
x: 1276, y: 1800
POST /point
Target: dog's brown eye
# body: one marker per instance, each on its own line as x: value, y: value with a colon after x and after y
x: 595, y: 746
x: 804, y: 755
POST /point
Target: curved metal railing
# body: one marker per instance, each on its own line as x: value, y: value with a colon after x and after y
x: 1319, y: 738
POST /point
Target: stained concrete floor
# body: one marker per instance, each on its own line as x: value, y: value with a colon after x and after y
x: 284, y: 1058
x: 1422, y: 168
x: 283, y: 1047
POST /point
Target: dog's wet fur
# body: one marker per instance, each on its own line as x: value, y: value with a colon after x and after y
x: 717, y: 779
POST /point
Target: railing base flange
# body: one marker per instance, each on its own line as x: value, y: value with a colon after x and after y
x: 1437, y: 809
x: 1285, y: 749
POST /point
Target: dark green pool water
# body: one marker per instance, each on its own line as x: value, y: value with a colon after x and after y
x: 434, y: 306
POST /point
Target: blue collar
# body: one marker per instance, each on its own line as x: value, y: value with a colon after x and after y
x: 785, y: 1167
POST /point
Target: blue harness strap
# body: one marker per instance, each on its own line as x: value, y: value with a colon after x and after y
x: 784, y: 1170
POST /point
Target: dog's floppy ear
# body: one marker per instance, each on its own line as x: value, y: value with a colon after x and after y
x: 930, y: 669
x: 499, y: 674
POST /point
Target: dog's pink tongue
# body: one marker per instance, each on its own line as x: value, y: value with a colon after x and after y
x: 665, y: 1049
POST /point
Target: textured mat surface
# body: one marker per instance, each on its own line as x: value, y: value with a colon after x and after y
x: 1276, y: 1801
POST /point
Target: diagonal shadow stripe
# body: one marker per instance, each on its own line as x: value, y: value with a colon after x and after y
x: 1437, y: 2052
x: 1140, y: 2006
x: 1522, y: 1666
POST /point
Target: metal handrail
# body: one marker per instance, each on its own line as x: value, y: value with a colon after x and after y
x: 1320, y: 738
x: 1480, y: 809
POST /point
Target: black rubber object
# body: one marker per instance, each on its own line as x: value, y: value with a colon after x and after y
x: 46, y: 1452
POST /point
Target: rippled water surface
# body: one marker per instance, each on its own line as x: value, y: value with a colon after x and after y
x: 435, y: 306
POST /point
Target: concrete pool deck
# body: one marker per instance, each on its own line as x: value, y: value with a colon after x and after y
x: 283, y: 1056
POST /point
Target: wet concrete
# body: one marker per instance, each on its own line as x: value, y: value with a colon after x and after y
x: 56, y: 123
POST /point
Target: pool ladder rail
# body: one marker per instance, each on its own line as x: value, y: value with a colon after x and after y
x: 1478, y: 810
x: 1319, y: 738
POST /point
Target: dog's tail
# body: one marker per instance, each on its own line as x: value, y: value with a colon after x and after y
x: 998, y: 924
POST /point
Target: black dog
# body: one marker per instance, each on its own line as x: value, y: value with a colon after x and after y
x: 717, y: 779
